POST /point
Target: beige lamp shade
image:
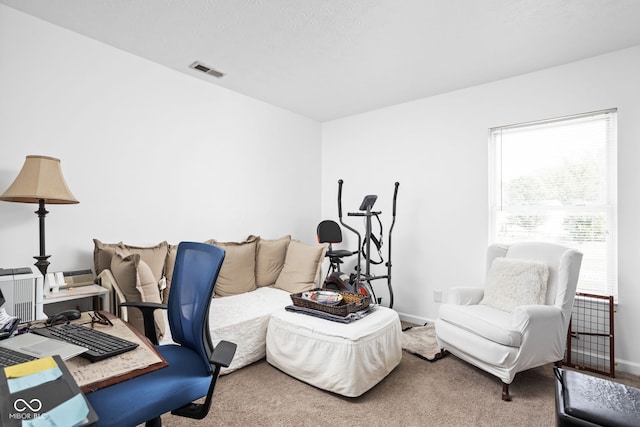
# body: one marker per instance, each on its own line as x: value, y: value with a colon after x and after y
x: 40, y: 179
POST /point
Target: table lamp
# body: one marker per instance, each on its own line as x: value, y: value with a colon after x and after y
x: 40, y: 181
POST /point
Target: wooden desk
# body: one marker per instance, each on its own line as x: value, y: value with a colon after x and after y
x: 94, y: 376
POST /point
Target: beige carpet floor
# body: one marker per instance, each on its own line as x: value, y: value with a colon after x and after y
x: 448, y: 392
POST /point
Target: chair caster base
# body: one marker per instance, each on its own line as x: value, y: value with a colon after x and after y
x: 196, y: 411
x: 155, y: 422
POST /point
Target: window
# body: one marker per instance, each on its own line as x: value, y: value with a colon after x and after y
x: 555, y: 181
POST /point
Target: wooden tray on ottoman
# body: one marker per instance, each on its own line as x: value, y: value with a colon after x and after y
x: 351, y: 303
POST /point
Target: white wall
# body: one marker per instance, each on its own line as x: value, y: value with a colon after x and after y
x: 437, y: 148
x: 156, y: 155
x: 151, y: 154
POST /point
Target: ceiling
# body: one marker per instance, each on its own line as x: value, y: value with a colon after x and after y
x: 327, y: 59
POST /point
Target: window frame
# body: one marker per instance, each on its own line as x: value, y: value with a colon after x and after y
x: 609, y: 206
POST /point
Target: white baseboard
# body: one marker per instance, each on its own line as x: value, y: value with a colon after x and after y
x: 628, y: 367
x: 414, y: 319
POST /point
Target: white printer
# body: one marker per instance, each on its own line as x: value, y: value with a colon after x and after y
x: 22, y: 290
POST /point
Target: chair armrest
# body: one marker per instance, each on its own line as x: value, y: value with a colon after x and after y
x: 541, y: 325
x: 147, y: 309
x: 544, y: 315
x: 223, y: 354
x: 144, y: 305
x: 464, y: 296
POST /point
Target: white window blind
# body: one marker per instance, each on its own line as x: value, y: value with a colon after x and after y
x: 555, y: 181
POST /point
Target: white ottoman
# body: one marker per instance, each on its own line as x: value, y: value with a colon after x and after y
x: 347, y: 359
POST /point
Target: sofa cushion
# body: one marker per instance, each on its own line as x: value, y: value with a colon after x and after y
x: 270, y: 256
x: 243, y: 319
x: 514, y: 282
x: 237, y: 274
x: 138, y: 283
x: 301, y: 268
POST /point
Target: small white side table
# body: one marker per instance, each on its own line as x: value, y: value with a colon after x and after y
x: 69, y: 294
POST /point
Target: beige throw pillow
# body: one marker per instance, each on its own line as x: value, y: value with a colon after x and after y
x: 137, y: 283
x: 102, y: 254
x: 514, y: 282
x: 154, y: 256
x: 237, y: 274
x: 270, y: 256
x: 301, y: 267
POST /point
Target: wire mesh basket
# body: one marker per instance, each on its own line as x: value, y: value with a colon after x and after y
x: 351, y: 303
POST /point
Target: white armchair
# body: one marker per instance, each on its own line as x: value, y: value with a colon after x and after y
x: 519, y: 320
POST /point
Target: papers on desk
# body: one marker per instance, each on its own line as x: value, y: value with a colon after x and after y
x: 89, y: 375
x: 5, y: 317
x: 42, y: 393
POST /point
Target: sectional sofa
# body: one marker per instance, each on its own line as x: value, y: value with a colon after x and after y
x: 255, y: 280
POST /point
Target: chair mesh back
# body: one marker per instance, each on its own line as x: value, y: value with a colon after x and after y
x: 329, y: 232
x: 195, y: 273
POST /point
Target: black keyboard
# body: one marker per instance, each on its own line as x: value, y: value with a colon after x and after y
x: 100, y: 345
x: 10, y: 357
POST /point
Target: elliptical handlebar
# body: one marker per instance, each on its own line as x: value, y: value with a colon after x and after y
x: 363, y: 213
x: 393, y: 222
x: 340, y: 182
x: 395, y: 196
x: 348, y: 227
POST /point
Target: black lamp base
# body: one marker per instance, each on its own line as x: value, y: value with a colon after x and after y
x: 42, y: 264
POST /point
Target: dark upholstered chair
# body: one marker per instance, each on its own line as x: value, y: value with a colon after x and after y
x: 586, y: 400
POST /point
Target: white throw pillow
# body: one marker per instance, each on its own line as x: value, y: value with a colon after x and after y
x: 514, y: 282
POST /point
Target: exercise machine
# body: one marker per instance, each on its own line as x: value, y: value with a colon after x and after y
x: 360, y: 282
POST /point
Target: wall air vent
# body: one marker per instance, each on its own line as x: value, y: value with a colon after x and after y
x: 206, y: 69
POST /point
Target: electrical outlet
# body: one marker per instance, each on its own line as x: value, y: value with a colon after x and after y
x: 437, y: 295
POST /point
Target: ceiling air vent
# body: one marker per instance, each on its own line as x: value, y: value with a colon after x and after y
x: 206, y: 69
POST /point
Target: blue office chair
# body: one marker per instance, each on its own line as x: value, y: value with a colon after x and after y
x: 194, y: 364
